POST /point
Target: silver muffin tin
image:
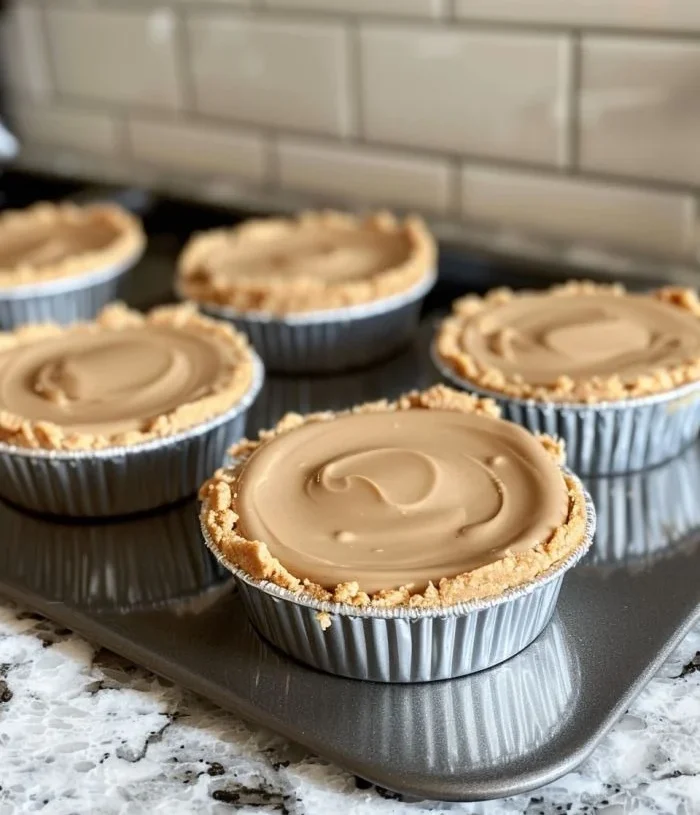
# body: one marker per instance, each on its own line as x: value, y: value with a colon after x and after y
x: 147, y: 588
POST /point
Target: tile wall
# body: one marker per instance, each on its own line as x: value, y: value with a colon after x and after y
x: 576, y: 121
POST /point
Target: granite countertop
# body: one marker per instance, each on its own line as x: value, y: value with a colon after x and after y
x: 84, y: 731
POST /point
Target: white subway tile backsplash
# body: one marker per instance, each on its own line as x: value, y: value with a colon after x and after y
x: 404, y: 103
x: 364, y: 176
x: 495, y: 94
x: 92, y: 131
x: 640, y: 108
x: 272, y: 72
x: 116, y: 56
x: 402, y: 8
x: 656, y: 14
x: 23, y: 50
x: 198, y: 149
x: 627, y: 217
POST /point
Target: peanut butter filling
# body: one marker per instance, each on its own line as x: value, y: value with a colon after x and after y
x: 279, y: 252
x: 120, y: 380
x: 401, y: 498
x: 316, y: 261
x: 541, y: 338
x: 111, y: 382
x: 579, y: 341
x: 46, y: 244
x: 48, y: 241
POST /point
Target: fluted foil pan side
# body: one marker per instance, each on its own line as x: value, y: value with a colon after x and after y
x: 65, y: 300
x: 402, y: 644
x: 606, y: 438
x: 332, y: 340
x: 122, y: 480
x: 408, y: 370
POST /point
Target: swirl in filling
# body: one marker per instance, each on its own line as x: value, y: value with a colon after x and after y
x: 111, y: 382
x: 539, y: 338
x: 402, y: 498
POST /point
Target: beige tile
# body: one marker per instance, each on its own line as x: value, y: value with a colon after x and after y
x: 23, y: 50
x: 402, y: 8
x: 595, y: 214
x: 364, y: 176
x: 72, y: 164
x: 271, y: 72
x: 196, y: 4
x: 657, y: 15
x: 95, y: 132
x: 116, y: 56
x: 198, y: 149
x: 640, y: 111
x: 488, y: 93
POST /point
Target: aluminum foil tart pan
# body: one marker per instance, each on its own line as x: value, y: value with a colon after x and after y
x: 66, y: 300
x: 405, y: 644
x: 122, y: 480
x: 334, y: 340
x: 410, y: 369
x: 610, y: 437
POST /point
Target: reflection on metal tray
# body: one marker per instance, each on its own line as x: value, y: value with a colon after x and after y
x: 143, y: 561
x: 147, y: 589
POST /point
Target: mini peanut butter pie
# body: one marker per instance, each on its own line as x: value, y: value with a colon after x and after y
x: 62, y: 262
x: 397, y: 503
x: 615, y: 374
x: 301, y: 286
x: 122, y: 384
x: 428, y: 503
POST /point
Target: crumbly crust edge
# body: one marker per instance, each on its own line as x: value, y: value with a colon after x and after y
x: 21, y: 432
x: 197, y: 283
x: 129, y: 241
x: 566, y: 390
x: 253, y: 557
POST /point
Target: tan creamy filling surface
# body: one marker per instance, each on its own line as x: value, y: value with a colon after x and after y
x: 542, y: 337
x: 110, y: 381
x: 391, y: 499
x: 45, y: 244
x: 322, y: 253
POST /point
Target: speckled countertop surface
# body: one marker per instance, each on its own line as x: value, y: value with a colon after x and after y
x: 83, y: 731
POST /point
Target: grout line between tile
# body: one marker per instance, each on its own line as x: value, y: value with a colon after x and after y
x: 263, y: 10
x: 273, y: 177
x: 183, y: 61
x: 449, y: 11
x: 51, y: 62
x: 354, y: 78
x: 571, y: 106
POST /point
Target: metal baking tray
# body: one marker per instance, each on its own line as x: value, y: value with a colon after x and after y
x: 146, y: 588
